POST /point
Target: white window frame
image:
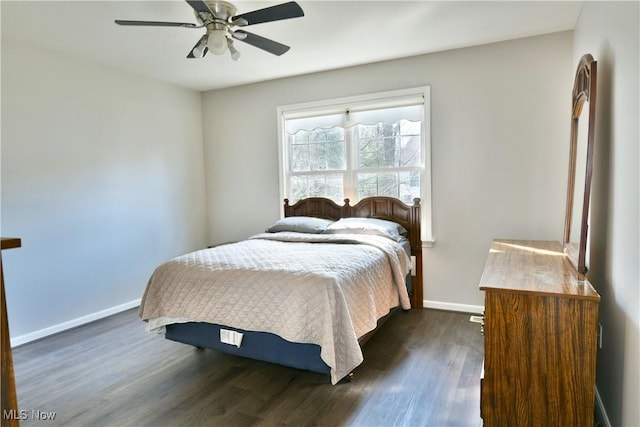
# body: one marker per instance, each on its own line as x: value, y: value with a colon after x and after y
x: 385, y: 99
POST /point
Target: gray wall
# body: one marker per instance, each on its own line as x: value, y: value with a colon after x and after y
x: 609, y: 31
x: 102, y: 178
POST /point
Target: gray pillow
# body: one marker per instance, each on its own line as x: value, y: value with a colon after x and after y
x: 300, y: 224
x: 379, y: 227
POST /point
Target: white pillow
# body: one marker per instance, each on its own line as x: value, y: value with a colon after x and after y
x: 374, y: 226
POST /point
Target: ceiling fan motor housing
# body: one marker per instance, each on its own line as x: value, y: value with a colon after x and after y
x: 221, y: 10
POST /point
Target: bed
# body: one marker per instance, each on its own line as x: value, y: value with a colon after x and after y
x: 307, y: 293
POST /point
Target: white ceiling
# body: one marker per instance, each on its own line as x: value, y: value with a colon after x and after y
x: 332, y: 34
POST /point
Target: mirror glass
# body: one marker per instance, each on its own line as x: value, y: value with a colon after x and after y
x: 579, y: 181
x: 580, y: 164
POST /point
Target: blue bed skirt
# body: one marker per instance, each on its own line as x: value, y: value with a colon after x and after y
x: 255, y: 345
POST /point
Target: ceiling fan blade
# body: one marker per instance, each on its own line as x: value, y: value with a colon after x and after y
x: 156, y: 23
x: 261, y: 42
x: 273, y: 13
x: 199, y: 6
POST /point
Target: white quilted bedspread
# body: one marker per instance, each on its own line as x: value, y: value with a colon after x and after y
x: 320, y: 289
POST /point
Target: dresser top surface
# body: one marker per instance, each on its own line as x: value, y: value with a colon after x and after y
x: 533, y: 266
x: 10, y: 242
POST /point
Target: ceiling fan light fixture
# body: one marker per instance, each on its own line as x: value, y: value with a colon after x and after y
x: 217, y: 42
x: 201, y: 48
x: 235, y: 55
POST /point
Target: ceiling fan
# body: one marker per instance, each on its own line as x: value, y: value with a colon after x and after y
x: 223, y: 25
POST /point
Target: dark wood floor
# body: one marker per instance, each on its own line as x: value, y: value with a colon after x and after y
x: 421, y: 369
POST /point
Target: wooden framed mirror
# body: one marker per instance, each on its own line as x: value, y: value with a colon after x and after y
x: 583, y: 108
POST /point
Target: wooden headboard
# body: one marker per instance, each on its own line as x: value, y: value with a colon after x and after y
x: 380, y: 207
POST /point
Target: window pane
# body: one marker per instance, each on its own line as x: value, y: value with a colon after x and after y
x: 368, y: 153
x: 298, y: 188
x: 409, y: 186
x: 387, y: 153
x: 377, y: 146
x: 301, y: 137
x: 335, y: 154
x: 410, y: 128
x: 318, y: 135
x: 402, y: 185
x: 318, y: 150
x: 388, y: 184
x: 335, y: 134
x: 409, y: 154
x: 317, y: 157
x: 299, y: 157
x: 329, y: 185
x: 387, y: 146
x: 367, y: 131
x: 367, y: 185
x: 410, y: 143
x: 335, y: 187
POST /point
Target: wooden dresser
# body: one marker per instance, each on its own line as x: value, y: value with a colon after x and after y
x: 540, y: 338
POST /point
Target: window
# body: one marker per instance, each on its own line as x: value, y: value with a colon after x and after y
x: 358, y: 147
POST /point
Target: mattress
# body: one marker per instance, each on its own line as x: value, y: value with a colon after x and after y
x: 326, y: 290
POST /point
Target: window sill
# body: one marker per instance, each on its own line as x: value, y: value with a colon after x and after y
x: 428, y: 243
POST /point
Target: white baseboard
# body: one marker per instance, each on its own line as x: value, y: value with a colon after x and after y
x: 32, y: 336
x: 601, y: 411
x: 464, y: 308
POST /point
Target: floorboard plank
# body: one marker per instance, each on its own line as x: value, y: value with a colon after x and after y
x: 421, y: 368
